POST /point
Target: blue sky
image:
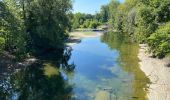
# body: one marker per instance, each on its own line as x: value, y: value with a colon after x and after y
x: 89, y: 6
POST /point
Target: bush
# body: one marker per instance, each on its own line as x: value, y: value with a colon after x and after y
x: 159, y: 41
x: 94, y: 24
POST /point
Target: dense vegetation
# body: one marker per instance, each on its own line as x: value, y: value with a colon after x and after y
x: 80, y: 20
x: 146, y: 21
x: 28, y: 26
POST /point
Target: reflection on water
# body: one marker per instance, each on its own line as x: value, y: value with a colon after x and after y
x: 109, y: 64
x: 40, y: 81
x: 96, y: 68
x: 129, y: 62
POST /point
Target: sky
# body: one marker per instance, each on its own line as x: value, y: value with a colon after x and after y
x: 89, y: 6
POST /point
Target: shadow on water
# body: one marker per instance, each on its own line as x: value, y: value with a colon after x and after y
x: 42, y: 80
x: 129, y: 61
x: 54, y: 76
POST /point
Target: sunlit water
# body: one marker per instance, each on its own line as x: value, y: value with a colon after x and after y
x: 108, y: 63
x: 99, y: 67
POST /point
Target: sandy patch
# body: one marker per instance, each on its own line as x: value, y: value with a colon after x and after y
x: 75, y: 37
x: 85, y: 34
x: 158, y: 72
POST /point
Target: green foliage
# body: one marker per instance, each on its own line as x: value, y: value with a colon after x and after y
x: 130, y: 22
x: 2, y: 44
x: 47, y: 22
x: 30, y: 25
x: 94, y: 24
x: 78, y: 19
x: 104, y: 13
x: 113, y: 5
x: 81, y: 20
x: 119, y: 19
x: 86, y: 24
x: 141, y: 19
x: 11, y: 27
x: 145, y: 21
x: 159, y: 41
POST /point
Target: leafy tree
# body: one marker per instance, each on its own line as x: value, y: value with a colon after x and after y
x: 119, y: 18
x: 145, y: 20
x: 11, y: 25
x: 130, y: 16
x: 31, y: 25
x: 47, y: 23
x: 113, y: 5
x: 78, y: 20
x: 104, y: 13
x: 98, y: 17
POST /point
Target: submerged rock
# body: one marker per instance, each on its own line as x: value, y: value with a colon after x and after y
x: 103, y: 95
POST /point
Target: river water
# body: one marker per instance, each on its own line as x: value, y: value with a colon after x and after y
x: 106, y: 64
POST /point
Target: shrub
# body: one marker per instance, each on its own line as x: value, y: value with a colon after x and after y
x: 159, y: 41
x: 94, y: 24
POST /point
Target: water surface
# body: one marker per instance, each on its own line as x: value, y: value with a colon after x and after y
x: 108, y: 63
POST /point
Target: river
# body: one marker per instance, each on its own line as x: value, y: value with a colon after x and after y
x: 98, y: 67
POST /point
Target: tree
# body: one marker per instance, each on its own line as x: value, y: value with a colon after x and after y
x: 33, y: 25
x: 145, y: 20
x: 104, y: 13
x: 78, y: 20
x: 119, y: 20
x: 11, y: 25
x: 47, y: 23
x: 113, y: 5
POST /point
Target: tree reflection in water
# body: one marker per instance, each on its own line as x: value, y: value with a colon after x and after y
x: 129, y: 61
x: 31, y: 83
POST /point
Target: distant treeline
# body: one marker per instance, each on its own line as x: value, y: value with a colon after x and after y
x: 31, y: 26
x: 82, y: 20
x: 146, y: 21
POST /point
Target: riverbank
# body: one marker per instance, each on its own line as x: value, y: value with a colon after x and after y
x: 75, y: 37
x: 158, y: 71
